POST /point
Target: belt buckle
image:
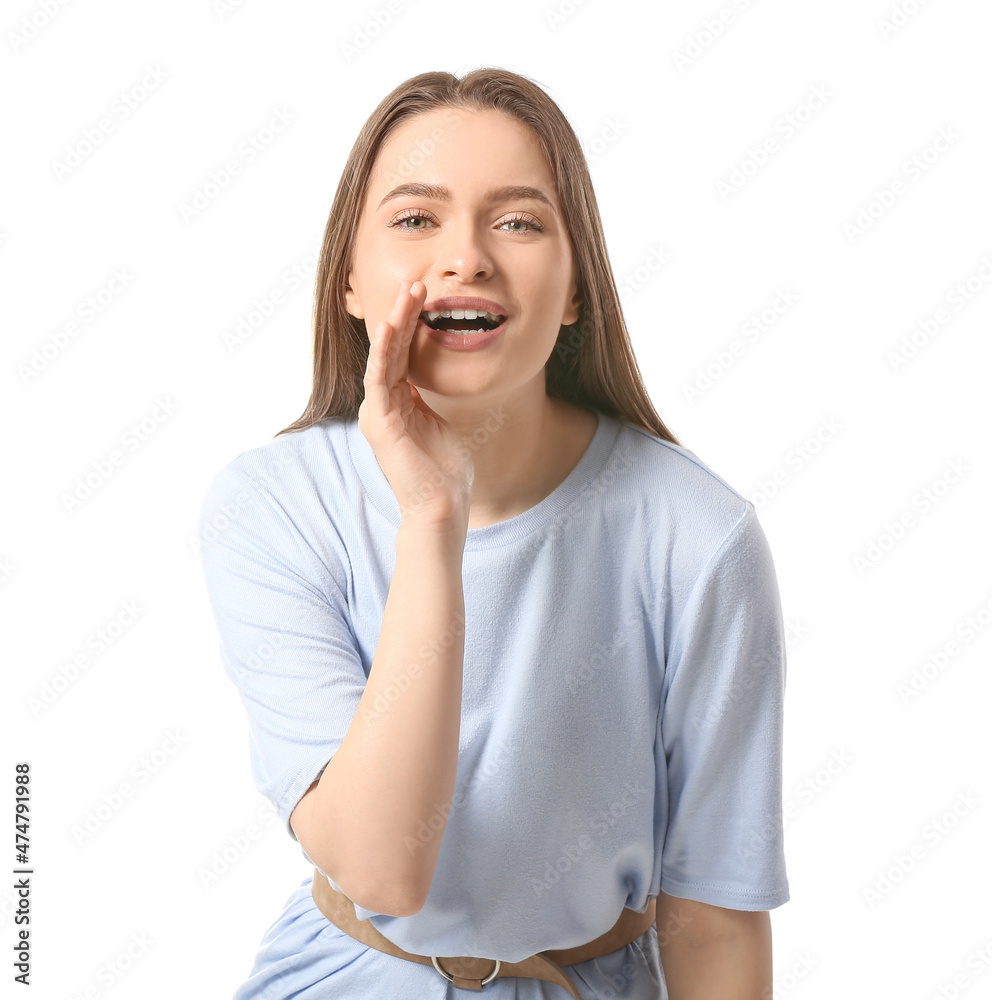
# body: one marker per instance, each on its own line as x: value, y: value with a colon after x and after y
x: 482, y: 982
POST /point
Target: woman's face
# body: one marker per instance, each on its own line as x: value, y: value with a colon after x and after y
x: 470, y: 239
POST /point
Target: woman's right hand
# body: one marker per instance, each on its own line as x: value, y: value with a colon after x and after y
x: 428, y: 467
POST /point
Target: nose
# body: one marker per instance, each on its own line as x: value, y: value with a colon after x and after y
x: 462, y: 254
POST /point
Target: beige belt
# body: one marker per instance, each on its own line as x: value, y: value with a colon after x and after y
x: 471, y: 973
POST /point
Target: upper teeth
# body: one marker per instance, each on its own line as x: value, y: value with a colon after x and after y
x: 461, y: 314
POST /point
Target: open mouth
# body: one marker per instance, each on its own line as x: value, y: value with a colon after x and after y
x: 462, y: 320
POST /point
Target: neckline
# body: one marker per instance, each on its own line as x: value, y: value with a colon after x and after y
x: 490, y: 536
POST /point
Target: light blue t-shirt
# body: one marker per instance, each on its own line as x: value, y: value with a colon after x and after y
x: 622, y: 703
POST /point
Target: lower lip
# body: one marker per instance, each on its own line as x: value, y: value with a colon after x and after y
x: 462, y: 341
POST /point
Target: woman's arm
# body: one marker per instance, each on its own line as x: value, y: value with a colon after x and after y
x: 714, y: 953
x: 393, y: 775
x: 395, y: 770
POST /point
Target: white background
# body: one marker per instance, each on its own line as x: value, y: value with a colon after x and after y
x: 660, y: 139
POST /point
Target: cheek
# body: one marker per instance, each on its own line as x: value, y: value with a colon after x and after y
x: 551, y: 271
x: 389, y: 249
x: 390, y: 265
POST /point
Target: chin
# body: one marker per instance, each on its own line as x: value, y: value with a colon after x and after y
x: 460, y: 381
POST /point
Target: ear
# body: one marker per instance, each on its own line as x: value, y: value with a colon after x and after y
x: 351, y: 300
x: 571, y: 313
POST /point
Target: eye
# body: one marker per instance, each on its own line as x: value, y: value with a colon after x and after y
x: 533, y: 226
x: 415, y: 213
x: 411, y: 213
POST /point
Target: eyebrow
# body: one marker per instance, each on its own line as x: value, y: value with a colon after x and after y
x: 438, y: 192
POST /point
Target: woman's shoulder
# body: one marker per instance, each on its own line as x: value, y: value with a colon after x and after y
x: 683, y: 489
x: 305, y: 479
x: 302, y: 478
x: 284, y: 495
x: 281, y: 465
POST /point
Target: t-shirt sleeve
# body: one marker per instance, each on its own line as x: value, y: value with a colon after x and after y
x: 285, y: 640
x: 722, y: 731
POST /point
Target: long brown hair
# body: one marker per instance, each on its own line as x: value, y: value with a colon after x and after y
x: 592, y: 364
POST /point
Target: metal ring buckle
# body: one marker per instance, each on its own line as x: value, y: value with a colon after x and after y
x: 482, y: 982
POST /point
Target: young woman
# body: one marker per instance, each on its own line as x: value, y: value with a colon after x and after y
x: 512, y: 657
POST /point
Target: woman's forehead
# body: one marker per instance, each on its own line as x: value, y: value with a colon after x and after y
x: 450, y: 150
